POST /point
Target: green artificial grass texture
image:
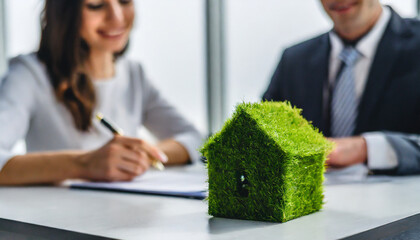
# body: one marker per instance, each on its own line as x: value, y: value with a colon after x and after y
x: 266, y: 163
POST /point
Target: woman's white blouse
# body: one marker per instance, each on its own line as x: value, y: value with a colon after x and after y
x: 30, y: 111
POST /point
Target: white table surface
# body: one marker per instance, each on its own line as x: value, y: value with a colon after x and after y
x: 349, y: 209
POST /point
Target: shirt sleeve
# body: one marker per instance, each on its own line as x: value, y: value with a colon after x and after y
x: 16, y: 105
x: 381, y: 154
x: 164, y: 121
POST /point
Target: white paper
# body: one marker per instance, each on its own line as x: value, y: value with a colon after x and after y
x: 156, y: 181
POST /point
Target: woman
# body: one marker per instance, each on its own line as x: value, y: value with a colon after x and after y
x: 50, y: 98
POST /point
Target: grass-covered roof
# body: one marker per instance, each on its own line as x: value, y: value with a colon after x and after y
x: 285, y: 125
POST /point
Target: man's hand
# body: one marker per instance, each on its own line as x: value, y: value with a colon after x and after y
x: 347, y: 152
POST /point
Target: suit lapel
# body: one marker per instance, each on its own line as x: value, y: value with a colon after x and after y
x: 379, y: 75
x: 316, y: 77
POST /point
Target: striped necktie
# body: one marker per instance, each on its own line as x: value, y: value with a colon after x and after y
x: 344, y: 103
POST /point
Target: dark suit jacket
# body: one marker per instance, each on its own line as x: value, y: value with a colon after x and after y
x: 391, y: 99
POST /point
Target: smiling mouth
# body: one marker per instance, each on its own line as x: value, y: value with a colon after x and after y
x: 113, y: 33
x: 342, y: 8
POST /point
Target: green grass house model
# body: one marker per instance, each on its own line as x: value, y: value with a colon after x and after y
x: 266, y: 164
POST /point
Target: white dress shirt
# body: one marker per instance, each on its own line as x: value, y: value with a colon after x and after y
x: 29, y: 110
x: 381, y: 155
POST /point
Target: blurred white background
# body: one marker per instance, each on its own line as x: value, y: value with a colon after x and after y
x: 169, y: 39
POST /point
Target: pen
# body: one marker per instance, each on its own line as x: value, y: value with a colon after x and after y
x: 155, y: 163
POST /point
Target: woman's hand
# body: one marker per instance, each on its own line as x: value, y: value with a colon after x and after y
x: 121, y: 159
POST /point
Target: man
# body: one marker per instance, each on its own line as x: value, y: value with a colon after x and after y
x: 360, y: 85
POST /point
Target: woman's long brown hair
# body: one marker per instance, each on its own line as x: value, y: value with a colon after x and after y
x: 63, y: 52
